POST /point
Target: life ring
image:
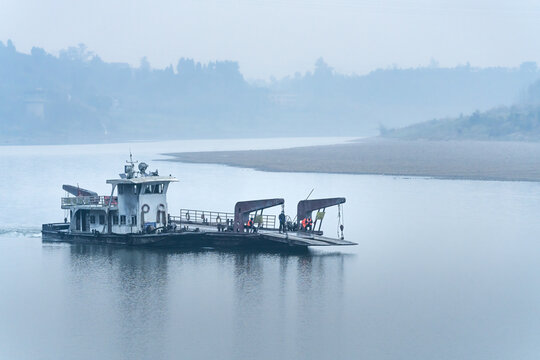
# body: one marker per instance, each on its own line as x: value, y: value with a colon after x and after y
x: 187, y: 216
x: 218, y: 219
x: 145, y: 208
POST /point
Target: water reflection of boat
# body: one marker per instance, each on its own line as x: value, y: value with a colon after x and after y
x: 136, y: 214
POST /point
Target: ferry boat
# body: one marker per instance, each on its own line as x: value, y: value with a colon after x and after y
x: 136, y: 214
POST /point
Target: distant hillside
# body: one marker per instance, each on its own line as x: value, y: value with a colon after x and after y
x: 518, y: 122
x: 77, y: 97
x: 400, y: 97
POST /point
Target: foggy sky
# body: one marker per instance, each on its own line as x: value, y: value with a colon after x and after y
x: 280, y: 37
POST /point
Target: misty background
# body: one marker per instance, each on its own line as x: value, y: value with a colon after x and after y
x: 229, y: 69
x: 77, y: 97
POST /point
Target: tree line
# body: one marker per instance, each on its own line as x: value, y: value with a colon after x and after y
x: 76, y: 97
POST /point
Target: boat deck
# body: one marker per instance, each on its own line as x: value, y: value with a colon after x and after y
x: 300, y: 238
x: 306, y: 239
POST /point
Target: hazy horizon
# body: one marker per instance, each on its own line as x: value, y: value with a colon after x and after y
x: 278, y: 38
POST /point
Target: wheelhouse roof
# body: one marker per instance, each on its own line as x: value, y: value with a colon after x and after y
x: 143, y: 180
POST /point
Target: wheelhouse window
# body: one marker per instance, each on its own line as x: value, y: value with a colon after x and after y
x: 92, y: 219
x: 101, y: 219
x: 153, y: 189
x: 115, y: 219
x: 134, y: 220
x: 128, y: 189
x: 122, y: 219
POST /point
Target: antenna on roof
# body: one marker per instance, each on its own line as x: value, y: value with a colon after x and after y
x: 130, y: 161
x: 129, y: 170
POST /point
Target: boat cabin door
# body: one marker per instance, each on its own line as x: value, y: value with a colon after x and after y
x: 78, y: 220
x: 84, y: 219
x: 81, y: 220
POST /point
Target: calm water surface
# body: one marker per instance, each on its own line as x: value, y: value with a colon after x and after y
x: 443, y: 269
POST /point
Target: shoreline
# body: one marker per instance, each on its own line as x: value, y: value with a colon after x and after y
x: 448, y: 160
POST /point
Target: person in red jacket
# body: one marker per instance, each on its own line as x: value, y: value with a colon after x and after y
x: 249, y: 224
x: 309, y: 224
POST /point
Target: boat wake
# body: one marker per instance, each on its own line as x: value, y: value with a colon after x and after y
x: 27, y: 232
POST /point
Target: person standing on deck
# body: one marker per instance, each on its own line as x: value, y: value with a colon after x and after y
x: 250, y: 224
x: 282, y: 221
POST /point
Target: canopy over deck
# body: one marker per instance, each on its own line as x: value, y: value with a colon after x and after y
x: 306, y: 207
x: 78, y: 191
x: 242, y: 209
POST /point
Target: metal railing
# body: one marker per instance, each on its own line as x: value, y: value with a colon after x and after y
x: 97, y: 201
x: 204, y: 217
x: 264, y: 221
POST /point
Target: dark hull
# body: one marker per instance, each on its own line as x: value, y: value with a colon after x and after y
x: 171, y: 240
x: 192, y: 239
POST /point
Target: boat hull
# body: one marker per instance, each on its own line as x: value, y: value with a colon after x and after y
x: 190, y: 239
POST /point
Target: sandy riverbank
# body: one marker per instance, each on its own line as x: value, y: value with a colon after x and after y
x: 480, y: 160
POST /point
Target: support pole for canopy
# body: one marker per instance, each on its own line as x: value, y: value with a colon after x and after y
x: 108, y: 208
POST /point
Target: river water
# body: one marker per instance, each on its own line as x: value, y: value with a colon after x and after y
x: 444, y: 269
